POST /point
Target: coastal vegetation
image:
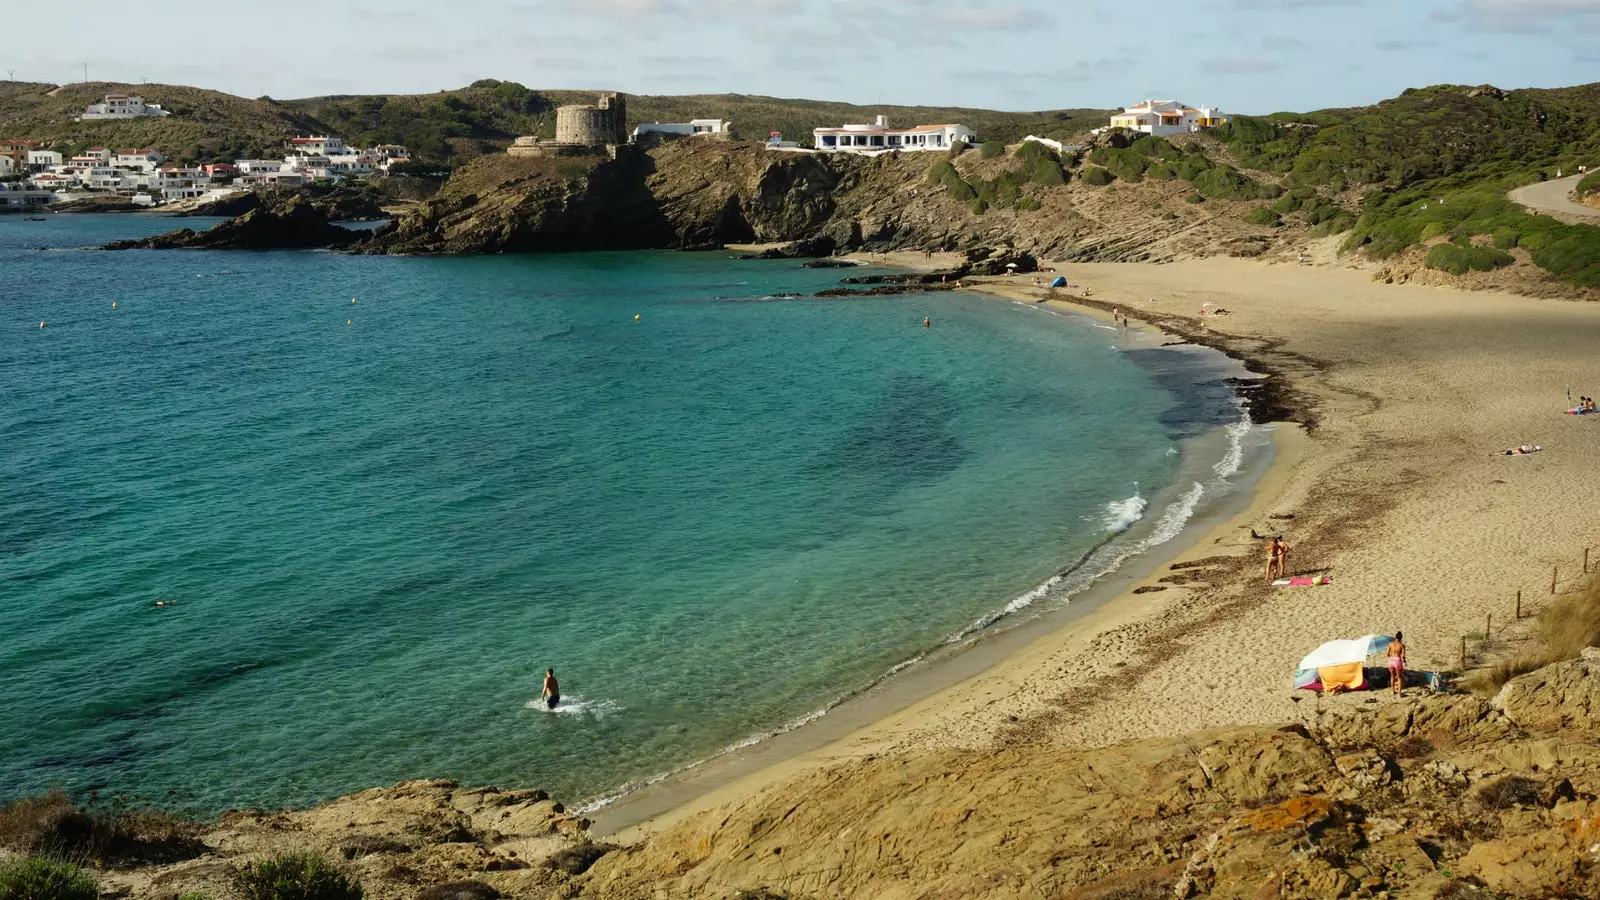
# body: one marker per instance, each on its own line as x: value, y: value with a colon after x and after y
x: 295, y: 876
x: 53, y: 825
x: 41, y: 878
x: 1568, y: 626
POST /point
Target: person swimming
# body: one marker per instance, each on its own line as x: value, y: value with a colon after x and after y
x: 927, y: 321
x: 552, y: 689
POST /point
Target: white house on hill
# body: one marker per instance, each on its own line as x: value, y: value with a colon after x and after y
x: 880, y: 138
x: 122, y: 106
x: 1164, y: 117
x: 691, y: 127
x: 320, y: 145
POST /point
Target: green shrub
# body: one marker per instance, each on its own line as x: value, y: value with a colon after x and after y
x: 38, y: 878
x: 1192, y: 165
x: 1034, y: 150
x: 992, y: 149
x: 1044, y: 170
x: 1027, y: 204
x: 1505, y: 238
x: 1096, y: 176
x: 1590, y: 184
x: 958, y: 148
x: 1456, y: 259
x: 945, y: 174
x: 1070, y: 160
x: 1288, y: 203
x: 1432, y: 230
x: 1227, y: 183
x: 295, y: 876
x: 1337, y: 224
x: 1162, y: 172
x: 977, y: 206
x: 1261, y: 215
x: 1194, y: 198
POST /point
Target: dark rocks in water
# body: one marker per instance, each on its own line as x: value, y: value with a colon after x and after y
x: 885, y: 290
x: 294, y: 224
x: 829, y: 264
x: 913, y: 278
x: 99, y: 203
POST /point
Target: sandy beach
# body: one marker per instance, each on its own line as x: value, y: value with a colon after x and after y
x: 1397, y: 490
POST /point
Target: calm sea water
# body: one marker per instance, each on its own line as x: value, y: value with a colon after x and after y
x: 378, y: 522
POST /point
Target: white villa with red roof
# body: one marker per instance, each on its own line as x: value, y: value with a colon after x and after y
x: 878, y: 137
x: 1164, y: 117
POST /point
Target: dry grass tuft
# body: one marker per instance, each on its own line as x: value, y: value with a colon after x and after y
x: 53, y: 825
x: 1566, y: 628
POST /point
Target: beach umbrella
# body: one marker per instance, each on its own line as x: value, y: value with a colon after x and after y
x: 1011, y: 265
x: 1337, y: 664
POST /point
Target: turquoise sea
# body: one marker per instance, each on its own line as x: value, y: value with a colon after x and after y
x: 713, y: 512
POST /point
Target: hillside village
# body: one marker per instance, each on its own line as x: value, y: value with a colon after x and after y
x: 1418, y: 183
x: 42, y: 175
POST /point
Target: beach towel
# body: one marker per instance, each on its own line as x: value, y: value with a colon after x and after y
x: 1346, y: 677
x: 1304, y: 581
x: 1579, y: 412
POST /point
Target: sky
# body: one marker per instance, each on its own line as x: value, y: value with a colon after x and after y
x: 1245, y: 56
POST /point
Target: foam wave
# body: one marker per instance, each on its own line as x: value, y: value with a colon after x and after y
x: 1121, y: 514
x: 1173, y: 519
x: 1234, y: 458
x: 577, y: 706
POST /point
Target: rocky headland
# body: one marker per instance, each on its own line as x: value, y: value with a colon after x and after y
x: 275, y: 222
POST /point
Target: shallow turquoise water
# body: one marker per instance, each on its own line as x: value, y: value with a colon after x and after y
x: 710, y: 521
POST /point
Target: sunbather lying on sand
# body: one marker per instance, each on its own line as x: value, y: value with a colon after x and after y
x: 1524, y: 450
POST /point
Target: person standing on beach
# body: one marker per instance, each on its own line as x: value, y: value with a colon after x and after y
x: 1277, y: 558
x: 1397, y: 665
x: 552, y: 689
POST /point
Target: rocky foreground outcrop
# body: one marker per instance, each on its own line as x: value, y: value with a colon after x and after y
x: 1444, y: 797
x: 291, y: 222
x: 1441, y: 797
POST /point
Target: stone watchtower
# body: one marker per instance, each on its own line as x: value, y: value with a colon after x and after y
x: 605, y: 123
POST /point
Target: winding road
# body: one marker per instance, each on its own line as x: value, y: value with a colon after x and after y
x: 1551, y: 197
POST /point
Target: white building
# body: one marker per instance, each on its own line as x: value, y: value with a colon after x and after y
x: 179, y: 184
x: 144, y: 159
x: 1164, y: 117
x: 272, y: 178
x: 691, y: 127
x: 258, y: 166
x: 318, y: 146
x: 50, y: 181
x: 871, y: 140
x: 40, y: 160
x: 16, y: 195
x: 105, y: 178
x: 7, y: 165
x: 122, y: 106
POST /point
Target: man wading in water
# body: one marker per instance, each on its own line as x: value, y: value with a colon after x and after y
x: 552, y: 689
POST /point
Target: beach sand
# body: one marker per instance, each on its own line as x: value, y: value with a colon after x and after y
x: 1398, y: 492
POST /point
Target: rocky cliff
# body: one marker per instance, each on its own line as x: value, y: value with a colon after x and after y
x: 1449, y: 796
x: 692, y: 195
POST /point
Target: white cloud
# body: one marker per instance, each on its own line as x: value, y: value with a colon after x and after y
x: 1522, y: 16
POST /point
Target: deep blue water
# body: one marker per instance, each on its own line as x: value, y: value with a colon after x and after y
x: 378, y: 522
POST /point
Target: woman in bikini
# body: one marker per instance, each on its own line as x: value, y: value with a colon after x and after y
x: 1397, y: 665
x: 1277, y: 558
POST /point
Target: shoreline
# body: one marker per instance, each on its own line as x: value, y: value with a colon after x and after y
x: 1393, y: 484
x: 850, y: 727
